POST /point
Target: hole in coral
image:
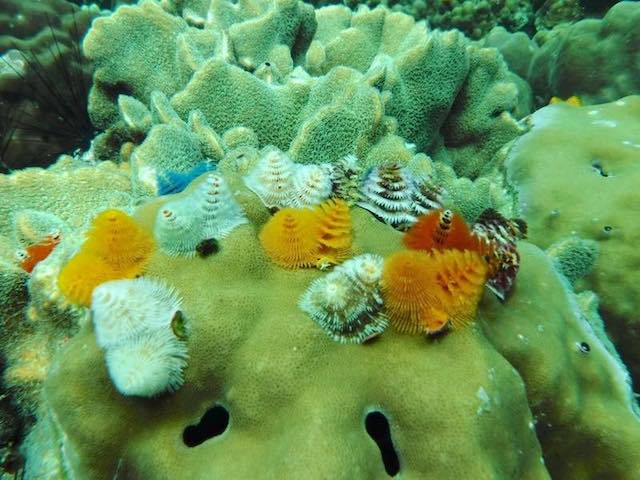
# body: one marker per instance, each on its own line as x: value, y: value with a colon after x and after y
x: 584, y: 347
x: 378, y: 429
x: 212, y: 424
x: 207, y: 247
x: 607, y: 229
x: 113, y: 90
x: 597, y: 166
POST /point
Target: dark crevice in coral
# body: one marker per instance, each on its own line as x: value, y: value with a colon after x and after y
x: 114, y: 90
x: 584, y: 347
x: 378, y: 429
x: 212, y: 424
x: 597, y: 166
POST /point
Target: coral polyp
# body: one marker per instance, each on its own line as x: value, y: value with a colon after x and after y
x: 501, y: 236
x: 170, y: 182
x: 460, y: 277
x: 305, y: 237
x: 82, y: 274
x: 312, y: 184
x: 388, y: 192
x: 407, y: 291
x: 149, y: 364
x: 37, y: 252
x: 441, y: 229
x: 271, y: 179
x: 336, y: 231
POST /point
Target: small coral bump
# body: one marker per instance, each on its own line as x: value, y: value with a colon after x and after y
x: 148, y: 364
x: 427, y: 292
x: 271, y: 178
x: 312, y: 184
x: 388, y: 192
x: 346, y: 308
x: 574, y: 257
x: 170, y: 181
x: 290, y: 238
x: 122, y: 309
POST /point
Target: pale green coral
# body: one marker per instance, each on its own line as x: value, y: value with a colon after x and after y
x: 36, y: 319
x: 241, y: 359
x: 471, y: 197
x: 590, y: 58
x: 579, y: 392
x: 577, y: 173
x: 320, y: 94
x: 73, y: 192
x: 474, y: 18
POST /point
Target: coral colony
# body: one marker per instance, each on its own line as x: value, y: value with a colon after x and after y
x: 335, y: 235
